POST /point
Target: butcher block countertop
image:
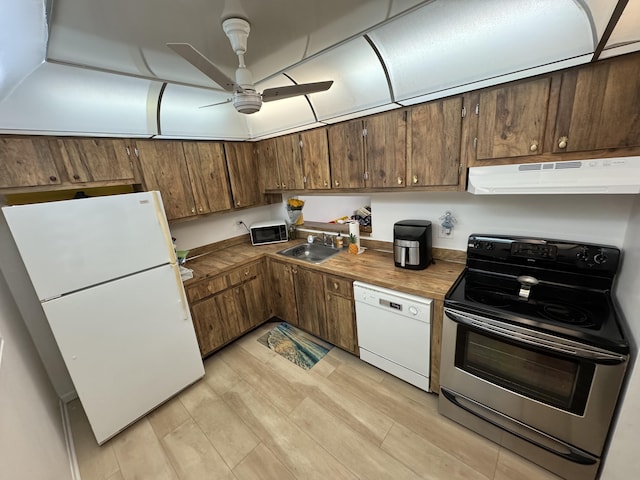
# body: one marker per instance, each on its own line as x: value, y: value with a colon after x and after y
x: 373, y: 266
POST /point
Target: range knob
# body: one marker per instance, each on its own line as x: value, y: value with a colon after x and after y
x: 600, y: 257
x: 583, y: 254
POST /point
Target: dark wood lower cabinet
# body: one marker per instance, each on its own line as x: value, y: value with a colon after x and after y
x: 228, y: 305
x: 236, y: 304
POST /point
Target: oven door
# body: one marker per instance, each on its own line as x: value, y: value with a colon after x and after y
x: 554, y: 385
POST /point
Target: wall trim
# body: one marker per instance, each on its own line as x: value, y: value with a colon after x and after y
x: 68, y: 436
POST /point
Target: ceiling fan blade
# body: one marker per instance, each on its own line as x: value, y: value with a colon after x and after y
x: 202, y: 63
x: 278, y: 93
x: 217, y: 103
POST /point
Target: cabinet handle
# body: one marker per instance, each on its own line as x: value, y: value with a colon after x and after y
x: 534, y: 146
x: 365, y: 175
x: 76, y: 177
x: 53, y: 178
x: 284, y: 186
x: 415, y: 179
x: 200, y: 209
x: 562, y: 142
x: 400, y: 180
x: 238, y: 203
x: 337, y: 183
x: 277, y: 185
x: 325, y: 183
x: 193, y: 210
x: 335, y: 286
x: 246, y: 273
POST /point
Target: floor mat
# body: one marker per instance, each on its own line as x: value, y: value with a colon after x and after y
x: 295, y: 345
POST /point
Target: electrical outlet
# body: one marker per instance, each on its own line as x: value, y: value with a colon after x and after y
x: 442, y: 232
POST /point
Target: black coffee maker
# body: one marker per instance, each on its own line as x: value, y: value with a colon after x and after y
x: 412, y: 244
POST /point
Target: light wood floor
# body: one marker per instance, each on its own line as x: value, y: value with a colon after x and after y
x: 256, y: 415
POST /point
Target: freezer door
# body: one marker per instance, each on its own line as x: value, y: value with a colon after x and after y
x: 73, y: 244
x: 129, y: 345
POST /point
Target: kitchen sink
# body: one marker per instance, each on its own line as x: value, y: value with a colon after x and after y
x: 310, y: 252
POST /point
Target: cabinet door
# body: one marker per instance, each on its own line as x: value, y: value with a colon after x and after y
x: 289, y: 162
x: 255, y: 303
x: 386, y: 149
x: 435, y: 134
x: 512, y: 119
x: 267, y: 158
x: 314, y: 148
x: 243, y: 174
x: 282, y: 291
x: 208, y: 175
x: 310, y: 301
x: 216, y: 320
x: 26, y: 162
x: 600, y: 106
x: 164, y: 168
x: 346, y: 154
x: 340, y: 326
x: 95, y: 159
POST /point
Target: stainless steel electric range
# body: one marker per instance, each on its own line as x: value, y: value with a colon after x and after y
x: 533, y: 352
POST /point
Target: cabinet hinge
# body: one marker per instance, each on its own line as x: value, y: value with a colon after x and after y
x: 364, y: 132
x: 475, y: 143
x: 464, y: 112
x: 477, y: 109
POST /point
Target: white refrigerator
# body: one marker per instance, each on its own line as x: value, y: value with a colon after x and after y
x: 104, y: 271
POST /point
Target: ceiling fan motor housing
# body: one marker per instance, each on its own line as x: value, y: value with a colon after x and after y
x: 248, y: 101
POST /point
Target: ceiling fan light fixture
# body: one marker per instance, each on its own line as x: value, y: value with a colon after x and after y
x: 247, y: 102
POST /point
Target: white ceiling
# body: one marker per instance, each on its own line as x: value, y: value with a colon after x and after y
x: 130, y: 36
x: 381, y: 54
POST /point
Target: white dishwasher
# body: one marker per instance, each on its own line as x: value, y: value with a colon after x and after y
x: 394, y: 332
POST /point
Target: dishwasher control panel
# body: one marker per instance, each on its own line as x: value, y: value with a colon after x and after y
x: 394, y: 301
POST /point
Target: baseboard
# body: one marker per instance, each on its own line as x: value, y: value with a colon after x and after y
x: 68, y: 436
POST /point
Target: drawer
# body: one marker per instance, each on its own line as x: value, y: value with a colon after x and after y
x: 243, y: 274
x: 338, y: 285
x: 207, y: 288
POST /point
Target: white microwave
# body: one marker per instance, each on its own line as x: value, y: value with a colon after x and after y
x: 274, y: 231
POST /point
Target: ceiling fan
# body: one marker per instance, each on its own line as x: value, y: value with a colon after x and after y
x: 245, y: 97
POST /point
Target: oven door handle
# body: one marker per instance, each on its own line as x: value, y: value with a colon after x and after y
x: 519, y: 429
x: 528, y: 336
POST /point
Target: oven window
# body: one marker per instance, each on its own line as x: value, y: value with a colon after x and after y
x: 562, y: 382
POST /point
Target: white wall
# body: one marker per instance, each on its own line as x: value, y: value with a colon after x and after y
x: 214, y: 228
x: 622, y: 461
x: 32, y: 443
x: 588, y: 218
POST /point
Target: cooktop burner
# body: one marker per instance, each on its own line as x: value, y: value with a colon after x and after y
x: 557, y: 304
x: 548, y: 285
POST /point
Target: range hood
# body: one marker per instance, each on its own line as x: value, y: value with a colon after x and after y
x: 611, y: 175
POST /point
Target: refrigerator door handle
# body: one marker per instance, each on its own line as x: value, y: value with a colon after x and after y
x: 183, y: 297
x: 162, y: 219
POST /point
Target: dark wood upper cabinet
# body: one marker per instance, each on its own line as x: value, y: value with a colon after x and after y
x: 314, y: 148
x: 346, y: 154
x: 512, y: 119
x: 243, y: 174
x: 289, y: 162
x: 164, y: 168
x: 599, y: 106
x: 267, y: 158
x: 27, y: 162
x: 95, y: 159
x: 386, y: 149
x: 434, y: 143
x: 207, y: 169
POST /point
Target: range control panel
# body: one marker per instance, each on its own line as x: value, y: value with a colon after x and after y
x: 556, y: 254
